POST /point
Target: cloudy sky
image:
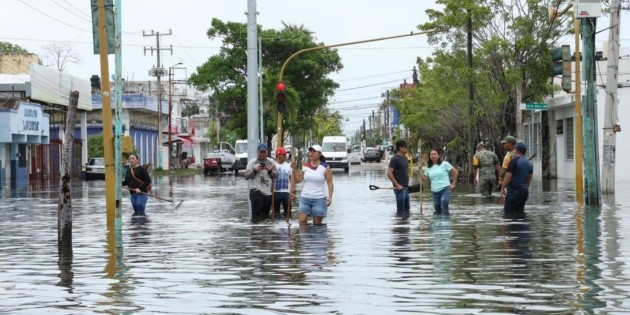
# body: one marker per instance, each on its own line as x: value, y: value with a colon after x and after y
x: 369, y: 69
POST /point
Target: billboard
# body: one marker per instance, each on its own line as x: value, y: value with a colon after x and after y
x: 52, y: 86
x: 588, y: 8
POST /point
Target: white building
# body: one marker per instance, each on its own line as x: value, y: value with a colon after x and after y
x: 561, y: 126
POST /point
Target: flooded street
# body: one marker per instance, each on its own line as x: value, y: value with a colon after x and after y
x: 207, y: 257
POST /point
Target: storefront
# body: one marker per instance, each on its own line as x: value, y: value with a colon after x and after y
x: 20, y: 128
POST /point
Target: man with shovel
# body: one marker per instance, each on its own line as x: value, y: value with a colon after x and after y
x: 398, y: 174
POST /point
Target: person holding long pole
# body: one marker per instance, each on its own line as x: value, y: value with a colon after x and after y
x: 138, y: 182
x: 398, y: 174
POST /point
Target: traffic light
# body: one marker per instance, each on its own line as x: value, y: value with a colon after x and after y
x: 561, y: 65
x: 280, y: 97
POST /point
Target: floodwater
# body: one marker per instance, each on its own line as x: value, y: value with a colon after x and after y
x: 207, y: 257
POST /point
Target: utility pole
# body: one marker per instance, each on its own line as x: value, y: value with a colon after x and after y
x: 158, y: 72
x: 589, y: 111
x: 610, y: 114
x: 117, y: 112
x: 471, y: 98
x: 252, y: 78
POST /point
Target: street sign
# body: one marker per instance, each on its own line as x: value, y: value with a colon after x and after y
x: 541, y: 106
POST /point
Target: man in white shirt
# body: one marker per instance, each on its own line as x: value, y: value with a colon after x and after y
x: 284, y: 185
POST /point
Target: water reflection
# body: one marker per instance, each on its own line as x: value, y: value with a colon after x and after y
x: 591, y: 271
x: 441, y: 234
x: 517, y: 234
x: 66, y: 275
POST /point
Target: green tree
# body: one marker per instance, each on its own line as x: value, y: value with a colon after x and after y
x: 511, y: 44
x: 190, y: 109
x: 95, y: 146
x: 308, y: 85
x: 12, y: 49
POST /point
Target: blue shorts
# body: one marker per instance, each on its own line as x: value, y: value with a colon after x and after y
x: 313, y: 207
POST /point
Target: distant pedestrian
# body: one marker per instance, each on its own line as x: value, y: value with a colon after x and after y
x: 398, y: 174
x: 486, y: 163
x: 509, y: 143
x: 443, y: 177
x: 284, y: 187
x: 138, y: 181
x: 518, y: 177
x: 318, y: 188
x: 260, y: 172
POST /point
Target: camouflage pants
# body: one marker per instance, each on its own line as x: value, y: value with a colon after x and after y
x: 486, y: 186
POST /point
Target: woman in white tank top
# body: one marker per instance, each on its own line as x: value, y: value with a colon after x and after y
x: 316, y: 175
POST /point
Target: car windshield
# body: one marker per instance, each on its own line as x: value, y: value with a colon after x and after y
x: 241, y: 148
x: 334, y: 147
x: 97, y: 162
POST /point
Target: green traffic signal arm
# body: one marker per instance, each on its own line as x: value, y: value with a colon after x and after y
x: 299, y: 52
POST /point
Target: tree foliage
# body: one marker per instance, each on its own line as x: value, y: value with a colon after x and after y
x: 95, y: 146
x: 11, y: 49
x: 511, y: 47
x: 306, y: 77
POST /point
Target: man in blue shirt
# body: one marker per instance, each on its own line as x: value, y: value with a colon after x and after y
x: 518, y: 177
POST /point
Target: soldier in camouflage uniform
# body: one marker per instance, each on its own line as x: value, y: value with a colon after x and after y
x: 488, y: 165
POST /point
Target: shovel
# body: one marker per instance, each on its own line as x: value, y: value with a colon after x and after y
x: 176, y: 204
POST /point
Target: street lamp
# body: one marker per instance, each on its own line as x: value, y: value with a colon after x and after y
x: 170, y: 113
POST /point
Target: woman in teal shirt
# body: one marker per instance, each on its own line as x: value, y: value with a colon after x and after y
x: 439, y: 173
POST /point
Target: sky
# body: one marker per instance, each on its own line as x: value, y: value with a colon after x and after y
x: 369, y: 69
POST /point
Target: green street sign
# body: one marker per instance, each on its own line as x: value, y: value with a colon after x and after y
x: 541, y: 106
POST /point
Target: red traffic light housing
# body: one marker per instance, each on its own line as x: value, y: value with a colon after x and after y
x: 280, y: 97
x: 280, y: 86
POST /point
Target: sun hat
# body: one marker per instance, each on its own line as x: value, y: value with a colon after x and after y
x: 316, y: 147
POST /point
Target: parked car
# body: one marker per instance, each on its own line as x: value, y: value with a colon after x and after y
x: 211, y: 165
x: 371, y: 155
x: 95, y: 168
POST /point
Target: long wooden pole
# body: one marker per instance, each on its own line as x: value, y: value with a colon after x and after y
x: 108, y: 135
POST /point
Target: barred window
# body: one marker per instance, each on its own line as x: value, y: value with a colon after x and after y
x: 570, y: 139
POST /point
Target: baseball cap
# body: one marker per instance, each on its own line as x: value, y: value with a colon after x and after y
x: 509, y: 139
x: 521, y: 147
x: 262, y: 147
x: 481, y: 144
x: 316, y: 147
x: 281, y: 151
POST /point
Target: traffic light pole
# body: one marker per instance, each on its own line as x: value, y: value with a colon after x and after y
x: 299, y: 52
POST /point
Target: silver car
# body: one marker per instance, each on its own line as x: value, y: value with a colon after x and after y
x: 95, y: 168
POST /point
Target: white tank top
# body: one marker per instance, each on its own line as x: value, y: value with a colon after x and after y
x: 314, y: 181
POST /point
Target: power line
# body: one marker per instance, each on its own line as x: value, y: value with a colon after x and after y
x: 53, y: 18
x: 75, y: 14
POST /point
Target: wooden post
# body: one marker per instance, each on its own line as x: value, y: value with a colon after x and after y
x: 64, y: 219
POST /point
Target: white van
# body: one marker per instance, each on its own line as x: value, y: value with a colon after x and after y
x: 240, y: 148
x: 335, y: 149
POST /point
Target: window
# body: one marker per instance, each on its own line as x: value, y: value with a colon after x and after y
x: 534, y: 143
x: 569, y: 139
x: 21, y: 149
x: 559, y: 127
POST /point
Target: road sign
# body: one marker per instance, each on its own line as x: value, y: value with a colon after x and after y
x: 541, y: 106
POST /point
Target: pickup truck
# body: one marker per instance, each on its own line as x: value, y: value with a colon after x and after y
x: 220, y: 160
